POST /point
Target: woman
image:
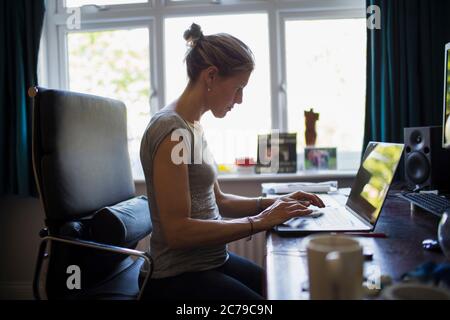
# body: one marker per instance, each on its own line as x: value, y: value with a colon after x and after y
x: 188, y: 243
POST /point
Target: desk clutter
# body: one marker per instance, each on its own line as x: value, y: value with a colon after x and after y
x: 428, y: 281
x: 341, y: 267
x: 277, y: 153
x: 437, y: 274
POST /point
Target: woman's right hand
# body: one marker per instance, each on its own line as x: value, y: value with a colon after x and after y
x: 279, y: 212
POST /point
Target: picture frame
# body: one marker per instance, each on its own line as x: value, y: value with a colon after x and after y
x: 320, y: 158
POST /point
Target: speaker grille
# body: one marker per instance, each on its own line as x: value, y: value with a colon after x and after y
x: 416, y: 140
x: 417, y: 167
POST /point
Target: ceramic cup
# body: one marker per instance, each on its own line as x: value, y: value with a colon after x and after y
x: 335, y: 267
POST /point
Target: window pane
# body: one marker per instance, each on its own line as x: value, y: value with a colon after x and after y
x: 79, y: 3
x: 115, y: 64
x: 235, y: 136
x: 326, y: 70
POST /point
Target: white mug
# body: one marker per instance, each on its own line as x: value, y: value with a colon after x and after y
x: 335, y: 267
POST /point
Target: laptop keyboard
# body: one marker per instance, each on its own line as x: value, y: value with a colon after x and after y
x: 331, y: 217
x: 330, y: 201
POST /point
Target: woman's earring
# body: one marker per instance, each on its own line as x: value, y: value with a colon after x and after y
x: 209, y: 89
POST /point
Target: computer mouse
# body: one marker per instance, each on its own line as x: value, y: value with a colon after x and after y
x: 431, y: 245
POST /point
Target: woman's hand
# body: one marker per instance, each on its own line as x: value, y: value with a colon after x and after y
x: 305, y: 198
x: 279, y: 212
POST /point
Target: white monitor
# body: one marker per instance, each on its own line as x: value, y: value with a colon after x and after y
x: 446, y: 113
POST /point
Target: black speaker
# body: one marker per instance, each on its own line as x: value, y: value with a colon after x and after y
x: 426, y: 162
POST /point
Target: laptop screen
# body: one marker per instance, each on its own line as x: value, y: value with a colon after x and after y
x: 373, y: 179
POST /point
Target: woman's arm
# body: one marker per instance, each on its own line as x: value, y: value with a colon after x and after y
x: 234, y: 206
x: 171, y: 188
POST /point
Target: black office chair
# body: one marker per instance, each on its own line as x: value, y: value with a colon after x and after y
x: 93, y: 219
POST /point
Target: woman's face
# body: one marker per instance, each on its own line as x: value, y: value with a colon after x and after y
x: 226, y: 92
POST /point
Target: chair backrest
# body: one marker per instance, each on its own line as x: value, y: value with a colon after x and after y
x: 81, y: 164
x: 80, y: 153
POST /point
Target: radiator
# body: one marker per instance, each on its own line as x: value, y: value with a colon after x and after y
x: 254, y: 250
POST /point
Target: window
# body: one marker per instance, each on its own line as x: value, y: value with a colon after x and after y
x: 235, y: 136
x: 115, y: 64
x: 326, y: 70
x: 133, y: 50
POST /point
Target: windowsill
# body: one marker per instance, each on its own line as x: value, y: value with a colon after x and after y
x: 274, y: 177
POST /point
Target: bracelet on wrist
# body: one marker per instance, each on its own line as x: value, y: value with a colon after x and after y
x: 250, y: 220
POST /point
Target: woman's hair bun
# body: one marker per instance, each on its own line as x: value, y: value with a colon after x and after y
x: 193, y: 35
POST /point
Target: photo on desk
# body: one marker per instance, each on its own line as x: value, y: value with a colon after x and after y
x: 320, y: 158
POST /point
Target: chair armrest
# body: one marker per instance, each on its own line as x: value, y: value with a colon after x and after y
x: 99, y: 246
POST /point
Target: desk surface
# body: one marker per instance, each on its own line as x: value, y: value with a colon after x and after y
x: 401, y: 252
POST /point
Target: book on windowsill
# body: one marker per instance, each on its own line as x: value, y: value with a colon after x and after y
x: 286, y: 153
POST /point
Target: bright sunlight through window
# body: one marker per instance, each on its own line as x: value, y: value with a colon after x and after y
x: 326, y: 71
x: 234, y: 136
x: 115, y: 64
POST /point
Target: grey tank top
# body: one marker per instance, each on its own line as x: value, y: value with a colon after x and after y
x: 202, y: 175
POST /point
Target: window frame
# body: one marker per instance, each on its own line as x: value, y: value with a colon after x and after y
x: 60, y: 6
x: 210, y: 2
x: 169, y: 3
x: 152, y: 13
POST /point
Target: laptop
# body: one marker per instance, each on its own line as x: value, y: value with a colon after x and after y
x: 361, y: 210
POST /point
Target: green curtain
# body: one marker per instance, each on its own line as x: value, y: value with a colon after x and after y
x: 405, y: 67
x: 20, y: 32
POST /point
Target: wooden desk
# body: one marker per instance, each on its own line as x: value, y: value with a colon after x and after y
x: 286, y: 263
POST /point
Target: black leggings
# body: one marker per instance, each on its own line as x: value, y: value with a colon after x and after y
x: 237, y: 279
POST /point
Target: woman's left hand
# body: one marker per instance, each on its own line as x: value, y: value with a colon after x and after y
x: 304, y: 197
